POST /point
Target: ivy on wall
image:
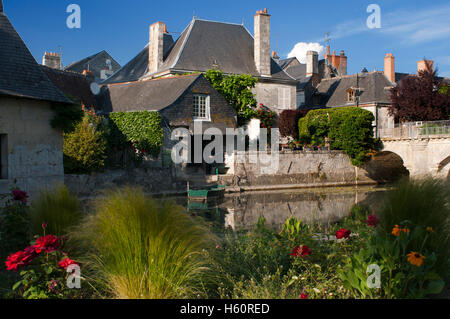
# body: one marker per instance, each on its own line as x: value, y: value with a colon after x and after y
x: 143, y: 129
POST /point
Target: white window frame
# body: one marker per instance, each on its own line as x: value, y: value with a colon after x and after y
x: 284, y: 98
x: 207, y: 108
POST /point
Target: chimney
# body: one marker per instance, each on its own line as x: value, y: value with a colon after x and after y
x: 155, y: 47
x: 389, y: 67
x: 262, y: 42
x: 1, y: 6
x: 52, y: 60
x: 342, y: 63
x: 422, y: 65
x: 312, y: 66
x: 275, y: 56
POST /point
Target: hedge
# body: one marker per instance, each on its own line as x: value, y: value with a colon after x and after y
x: 143, y: 129
x: 348, y: 129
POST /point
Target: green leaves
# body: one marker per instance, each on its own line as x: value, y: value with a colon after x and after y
x: 143, y: 129
x: 237, y: 90
x: 348, y: 128
x: 66, y: 117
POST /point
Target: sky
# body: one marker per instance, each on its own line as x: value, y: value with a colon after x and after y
x: 410, y: 29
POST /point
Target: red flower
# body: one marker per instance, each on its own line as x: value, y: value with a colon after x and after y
x: 20, y: 259
x: 303, y: 296
x: 20, y: 195
x: 67, y: 262
x: 44, y: 225
x: 301, y: 251
x: 343, y: 233
x: 48, y: 244
x: 372, y: 220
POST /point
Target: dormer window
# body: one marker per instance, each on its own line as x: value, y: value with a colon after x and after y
x: 351, y: 95
x: 201, y: 107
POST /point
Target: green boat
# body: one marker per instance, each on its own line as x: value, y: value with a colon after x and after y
x: 206, y: 193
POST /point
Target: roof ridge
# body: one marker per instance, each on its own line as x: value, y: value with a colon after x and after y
x: 230, y: 23
x: 157, y: 79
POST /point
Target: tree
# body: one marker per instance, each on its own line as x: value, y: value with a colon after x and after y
x: 237, y: 90
x: 288, y: 122
x: 420, y: 98
x: 85, y: 148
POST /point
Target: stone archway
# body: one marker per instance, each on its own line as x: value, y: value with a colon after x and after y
x: 386, y: 167
x: 443, y: 170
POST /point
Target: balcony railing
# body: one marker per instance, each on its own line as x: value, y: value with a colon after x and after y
x: 417, y: 130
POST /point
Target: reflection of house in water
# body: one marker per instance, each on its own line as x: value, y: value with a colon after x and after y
x: 320, y: 206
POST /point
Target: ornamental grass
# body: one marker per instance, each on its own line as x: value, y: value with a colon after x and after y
x: 142, y: 248
x: 58, y: 209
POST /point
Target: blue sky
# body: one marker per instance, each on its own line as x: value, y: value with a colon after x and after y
x: 411, y: 29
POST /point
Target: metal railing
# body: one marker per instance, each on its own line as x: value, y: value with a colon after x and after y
x: 417, y: 130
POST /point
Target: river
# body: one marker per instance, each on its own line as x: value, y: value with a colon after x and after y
x: 320, y: 205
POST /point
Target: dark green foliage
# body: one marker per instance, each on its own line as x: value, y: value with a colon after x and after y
x: 143, y: 129
x: 14, y: 228
x: 66, y: 117
x: 424, y: 203
x: 348, y: 128
x: 237, y: 90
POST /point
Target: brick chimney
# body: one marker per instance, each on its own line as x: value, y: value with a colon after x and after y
x: 389, y: 67
x: 52, y: 60
x: 342, y: 63
x: 422, y: 65
x: 262, y: 42
x: 312, y: 66
x: 156, y: 46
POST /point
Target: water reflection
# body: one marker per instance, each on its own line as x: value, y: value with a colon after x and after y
x: 242, y: 211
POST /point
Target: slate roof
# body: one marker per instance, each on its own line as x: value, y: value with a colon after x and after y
x: 202, y: 46
x: 95, y: 63
x: 72, y: 84
x: 373, y: 89
x: 20, y: 74
x: 145, y: 95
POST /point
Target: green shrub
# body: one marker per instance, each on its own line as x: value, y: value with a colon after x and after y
x: 84, y: 148
x: 143, y: 248
x: 143, y: 129
x: 348, y: 128
x: 57, y: 208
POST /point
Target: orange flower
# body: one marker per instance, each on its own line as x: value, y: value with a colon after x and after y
x: 430, y: 229
x: 415, y: 259
x: 397, y: 230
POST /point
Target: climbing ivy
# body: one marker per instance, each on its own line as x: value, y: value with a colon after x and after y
x: 143, y: 129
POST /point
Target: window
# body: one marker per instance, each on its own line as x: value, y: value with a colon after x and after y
x: 3, y: 156
x: 300, y: 98
x: 201, y: 107
x: 284, y: 98
x: 351, y: 95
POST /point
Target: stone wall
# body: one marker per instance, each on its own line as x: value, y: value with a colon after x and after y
x: 32, y: 152
x: 294, y: 169
x: 152, y: 180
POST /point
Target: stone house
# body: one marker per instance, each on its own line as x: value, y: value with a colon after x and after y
x: 204, y: 45
x: 30, y: 149
x: 181, y: 100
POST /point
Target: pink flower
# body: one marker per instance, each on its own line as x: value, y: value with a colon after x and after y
x: 303, y: 296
